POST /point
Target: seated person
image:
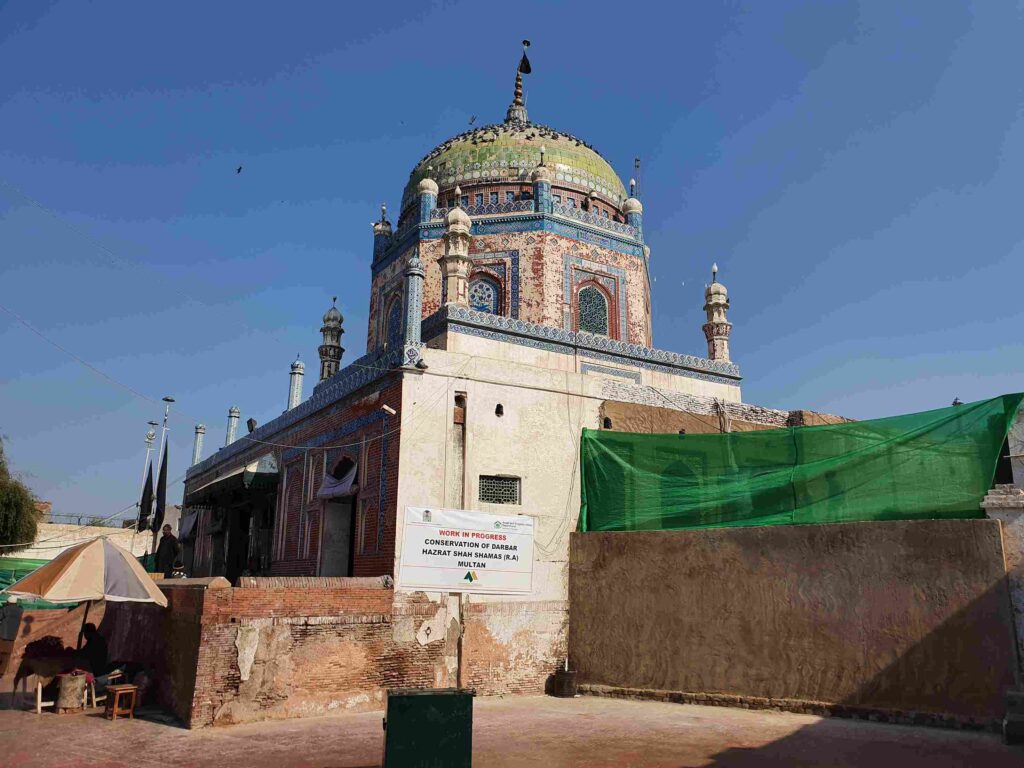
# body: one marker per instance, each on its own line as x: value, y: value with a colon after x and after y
x: 95, y: 652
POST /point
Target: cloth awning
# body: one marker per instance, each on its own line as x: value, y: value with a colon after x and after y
x: 187, y: 526
x: 335, y: 488
x: 258, y: 474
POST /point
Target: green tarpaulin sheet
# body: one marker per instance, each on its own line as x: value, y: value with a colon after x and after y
x: 14, y: 568
x: 936, y: 464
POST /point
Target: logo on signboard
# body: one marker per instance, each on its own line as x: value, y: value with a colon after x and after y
x: 426, y: 516
x: 497, y: 524
x: 470, y: 577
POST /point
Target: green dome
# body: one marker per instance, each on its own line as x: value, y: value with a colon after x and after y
x: 509, y: 152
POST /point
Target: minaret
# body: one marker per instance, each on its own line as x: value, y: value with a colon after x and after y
x: 233, y: 415
x: 455, y: 263
x: 633, y: 210
x: 197, y: 445
x: 295, y: 383
x: 427, y: 192
x: 717, y: 328
x: 381, y: 233
x: 541, y: 178
x: 413, y: 307
x: 331, y: 350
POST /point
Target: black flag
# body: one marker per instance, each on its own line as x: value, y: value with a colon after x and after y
x: 524, y: 63
x: 146, y: 505
x: 161, y: 491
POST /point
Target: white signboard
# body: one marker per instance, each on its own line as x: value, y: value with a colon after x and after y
x: 454, y: 550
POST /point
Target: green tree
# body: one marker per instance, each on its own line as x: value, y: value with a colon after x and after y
x: 18, y: 515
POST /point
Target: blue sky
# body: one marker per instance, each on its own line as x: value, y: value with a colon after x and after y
x: 854, y: 169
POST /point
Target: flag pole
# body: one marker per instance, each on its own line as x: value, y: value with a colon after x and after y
x: 163, y: 458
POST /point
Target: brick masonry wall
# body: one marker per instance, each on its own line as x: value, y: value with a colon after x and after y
x: 513, y: 647
x: 301, y: 514
x: 272, y: 651
x: 542, y: 274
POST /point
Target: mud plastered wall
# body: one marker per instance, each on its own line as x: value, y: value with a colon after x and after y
x: 906, y: 616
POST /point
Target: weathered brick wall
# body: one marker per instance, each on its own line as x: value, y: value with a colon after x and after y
x: 283, y: 651
x: 298, y: 553
x: 513, y: 647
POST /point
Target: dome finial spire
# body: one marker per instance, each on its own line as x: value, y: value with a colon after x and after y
x: 517, y: 109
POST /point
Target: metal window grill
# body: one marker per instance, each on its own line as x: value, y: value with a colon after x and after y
x: 499, y: 490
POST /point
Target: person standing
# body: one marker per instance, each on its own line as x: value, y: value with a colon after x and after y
x: 168, y: 552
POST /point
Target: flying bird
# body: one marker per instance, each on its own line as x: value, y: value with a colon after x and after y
x: 238, y: 169
x: 472, y: 119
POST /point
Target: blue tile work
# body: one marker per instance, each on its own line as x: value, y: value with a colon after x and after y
x: 382, y: 492
x: 607, y: 371
x: 461, y: 320
x: 591, y: 269
x: 511, y: 259
x: 524, y: 222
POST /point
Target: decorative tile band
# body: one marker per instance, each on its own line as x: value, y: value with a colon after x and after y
x: 512, y: 223
x: 607, y: 371
x: 498, y: 328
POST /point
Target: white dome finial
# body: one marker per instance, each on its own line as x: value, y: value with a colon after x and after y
x: 714, y: 272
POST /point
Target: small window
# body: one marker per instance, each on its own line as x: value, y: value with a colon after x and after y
x: 604, y: 212
x: 464, y: 201
x: 478, y: 199
x: 557, y: 199
x: 510, y: 197
x: 499, y: 490
x: 494, y: 198
x: 572, y: 202
x: 592, y: 311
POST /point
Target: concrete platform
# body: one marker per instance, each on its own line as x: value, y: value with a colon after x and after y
x: 513, y: 733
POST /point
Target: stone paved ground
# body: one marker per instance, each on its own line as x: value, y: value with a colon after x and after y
x: 513, y: 732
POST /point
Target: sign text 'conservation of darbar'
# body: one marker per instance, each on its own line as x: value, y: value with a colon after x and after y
x: 456, y: 550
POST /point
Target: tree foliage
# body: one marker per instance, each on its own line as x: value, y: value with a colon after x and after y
x: 18, y: 515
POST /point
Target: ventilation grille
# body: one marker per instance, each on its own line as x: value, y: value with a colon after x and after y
x: 499, y: 490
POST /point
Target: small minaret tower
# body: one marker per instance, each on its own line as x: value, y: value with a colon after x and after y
x: 331, y: 350
x: 718, y: 327
x: 197, y: 445
x: 455, y: 262
x: 295, y: 383
x: 233, y: 416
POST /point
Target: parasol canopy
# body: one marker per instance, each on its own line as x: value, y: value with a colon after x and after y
x: 93, y: 570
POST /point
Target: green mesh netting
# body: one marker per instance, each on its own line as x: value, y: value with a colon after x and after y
x: 936, y: 464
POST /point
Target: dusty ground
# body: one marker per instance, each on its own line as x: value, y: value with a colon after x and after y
x: 545, y: 732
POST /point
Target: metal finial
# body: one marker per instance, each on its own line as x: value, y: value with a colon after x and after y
x: 383, y: 212
x: 632, y: 187
x: 458, y: 196
x: 714, y: 272
x: 542, y: 150
x: 334, y: 300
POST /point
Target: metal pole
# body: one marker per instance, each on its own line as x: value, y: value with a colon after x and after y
x: 163, y: 446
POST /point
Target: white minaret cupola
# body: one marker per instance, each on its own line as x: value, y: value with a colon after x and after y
x: 233, y: 416
x: 296, y: 376
x: 331, y: 349
x: 718, y: 327
x: 197, y: 444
